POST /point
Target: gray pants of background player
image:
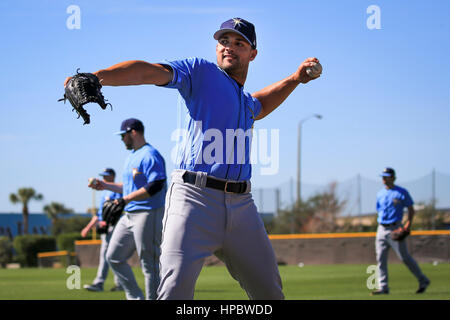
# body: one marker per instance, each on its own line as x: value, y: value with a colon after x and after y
x: 140, y: 231
x: 199, y: 222
x: 103, y: 266
x: 383, y: 243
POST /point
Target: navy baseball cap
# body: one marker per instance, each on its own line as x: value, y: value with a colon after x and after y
x: 239, y: 26
x: 107, y: 172
x: 130, y: 124
x: 388, y: 172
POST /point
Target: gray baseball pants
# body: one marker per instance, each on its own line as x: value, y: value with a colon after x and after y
x: 103, y: 266
x: 383, y: 243
x: 140, y: 231
x: 199, y: 222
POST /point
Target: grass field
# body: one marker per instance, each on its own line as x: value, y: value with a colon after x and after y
x: 315, y: 282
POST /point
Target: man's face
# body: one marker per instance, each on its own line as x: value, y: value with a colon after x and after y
x: 234, y: 53
x: 388, y: 181
x: 109, y: 178
x: 127, y: 140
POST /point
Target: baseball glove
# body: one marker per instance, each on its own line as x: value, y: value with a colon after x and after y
x: 81, y: 89
x: 399, y: 234
x: 102, y: 230
x: 112, y: 211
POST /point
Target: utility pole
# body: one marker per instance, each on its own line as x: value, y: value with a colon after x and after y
x: 299, y: 141
x: 359, y: 195
x: 94, y: 212
x: 433, y: 199
x: 277, y: 200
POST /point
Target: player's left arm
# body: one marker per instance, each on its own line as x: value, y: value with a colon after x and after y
x: 408, y: 222
x: 137, y: 195
x: 89, y: 226
x: 271, y: 97
x: 154, y: 170
x: 408, y: 202
x: 145, y: 192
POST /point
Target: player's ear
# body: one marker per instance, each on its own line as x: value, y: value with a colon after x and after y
x: 253, y: 54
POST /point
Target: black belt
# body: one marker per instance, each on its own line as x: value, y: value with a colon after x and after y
x: 226, y: 186
x: 389, y: 224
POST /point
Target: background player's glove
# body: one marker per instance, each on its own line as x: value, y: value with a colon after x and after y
x: 399, y: 234
x: 102, y: 230
x: 112, y: 210
x: 83, y: 88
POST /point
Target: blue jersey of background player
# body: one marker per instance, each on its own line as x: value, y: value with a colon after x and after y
x: 140, y: 228
x: 142, y: 167
x: 391, y: 201
x: 390, y: 204
x: 105, y: 232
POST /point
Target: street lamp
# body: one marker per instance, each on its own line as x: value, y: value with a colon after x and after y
x: 318, y: 116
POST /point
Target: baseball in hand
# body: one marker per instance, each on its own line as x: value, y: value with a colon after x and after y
x: 314, y: 71
x: 92, y: 182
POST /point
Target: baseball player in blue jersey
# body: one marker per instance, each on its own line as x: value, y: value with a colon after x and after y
x: 391, y: 201
x: 209, y: 207
x: 105, y: 235
x: 140, y: 228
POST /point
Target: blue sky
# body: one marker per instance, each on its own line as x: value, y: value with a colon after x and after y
x: 384, y: 94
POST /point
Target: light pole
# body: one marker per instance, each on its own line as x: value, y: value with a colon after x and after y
x: 318, y: 116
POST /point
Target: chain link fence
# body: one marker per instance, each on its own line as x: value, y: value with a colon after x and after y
x: 359, y: 193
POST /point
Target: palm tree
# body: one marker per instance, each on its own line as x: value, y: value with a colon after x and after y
x: 54, y: 209
x: 24, y: 195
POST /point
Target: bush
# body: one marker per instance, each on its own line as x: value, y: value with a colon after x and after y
x: 66, y: 241
x: 28, y: 246
x: 5, y: 251
x: 68, y: 225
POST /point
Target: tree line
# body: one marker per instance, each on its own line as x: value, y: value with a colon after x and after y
x: 53, y: 210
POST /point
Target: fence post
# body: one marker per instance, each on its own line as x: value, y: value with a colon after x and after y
x: 277, y: 200
x: 433, y: 199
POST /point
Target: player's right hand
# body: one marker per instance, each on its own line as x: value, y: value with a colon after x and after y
x: 96, y: 184
x: 300, y: 75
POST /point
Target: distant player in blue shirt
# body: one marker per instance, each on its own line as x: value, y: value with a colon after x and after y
x: 209, y: 207
x: 391, y: 201
x: 140, y: 228
x: 105, y: 235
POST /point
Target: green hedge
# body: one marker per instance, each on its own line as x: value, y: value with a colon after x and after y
x: 69, y: 225
x: 28, y: 246
x: 5, y: 251
x: 66, y: 241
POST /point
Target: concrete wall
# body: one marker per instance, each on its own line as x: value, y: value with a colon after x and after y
x: 88, y: 254
x: 323, y: 250
x: 357, y: 250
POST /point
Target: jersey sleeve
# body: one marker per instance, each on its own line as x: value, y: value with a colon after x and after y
x: 182, y: 75
x: 257, y: 106
x: 153, y: 167
x: 407, y: 201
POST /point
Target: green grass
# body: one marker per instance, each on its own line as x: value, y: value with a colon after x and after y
x: 315, y: 282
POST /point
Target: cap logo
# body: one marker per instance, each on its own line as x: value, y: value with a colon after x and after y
x: 237, y: 21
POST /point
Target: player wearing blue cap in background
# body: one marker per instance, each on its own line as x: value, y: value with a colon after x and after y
x: 144, y: 188
x: 209, y: 207
x: 105, y: 235
x: 391, y: 202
